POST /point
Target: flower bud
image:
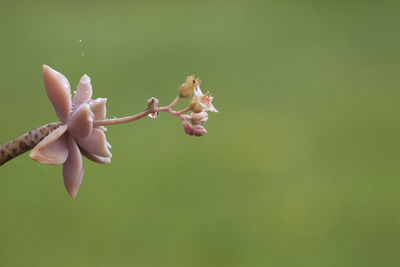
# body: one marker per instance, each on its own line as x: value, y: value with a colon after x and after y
x: 187, y: 128
x: 195, y: 105
x: 187, y: 88
x: 199, y: 118
x: 199, y: 130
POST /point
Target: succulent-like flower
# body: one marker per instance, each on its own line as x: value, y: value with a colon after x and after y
x: 81, y: 127
x: 76, y: 135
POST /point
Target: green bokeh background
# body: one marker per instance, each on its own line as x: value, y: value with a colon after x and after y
x: 300, y: 167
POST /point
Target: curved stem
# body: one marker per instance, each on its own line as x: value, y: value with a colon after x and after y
x: 122, y: 120
x: 174, y: 102
x: 144, y: 114
x: 171, y: 111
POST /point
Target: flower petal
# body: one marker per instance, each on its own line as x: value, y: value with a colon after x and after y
x: 52, y: 149
x: 83, y: 91
x: 94, y: 157
x: 204, y: 100
x: 197, y: 92
x: 59, y: 92
x: 72, y: 168
x: 101, y: 127
x: 98, y: 107
x: 80, y: 124
x: 211, y: 108
x: 96, y: 143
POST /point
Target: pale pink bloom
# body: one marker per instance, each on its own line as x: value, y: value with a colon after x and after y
x: 76, y: 135
x: 204, y: 100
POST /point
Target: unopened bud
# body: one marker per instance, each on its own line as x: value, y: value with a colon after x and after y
x: 153, y: 103
x: 187, y: 88
x: 187, y: 128
x: 199, y: 130
x: 195, y: 105
x: 199, y: 118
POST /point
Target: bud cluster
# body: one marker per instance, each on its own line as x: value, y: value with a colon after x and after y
x: 199, y: 104
x: 197, y: 130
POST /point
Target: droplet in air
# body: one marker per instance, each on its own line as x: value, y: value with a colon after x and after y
x: 80, y: 40
x: 154, y: 115
x: 82, y: 54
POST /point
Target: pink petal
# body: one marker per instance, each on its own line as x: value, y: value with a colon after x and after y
x: 83, y: 91
x: 59, y: 92
x: 72, y: 168
x: 80, y: 124
x: 101, y: 127
x: 52, y: 149
x: 98, y: 107
x: 96, y: 143
x: 94, y: 157
x: 211, y: 106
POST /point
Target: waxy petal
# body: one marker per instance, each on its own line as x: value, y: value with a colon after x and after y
x: 96, y: 143
x: 83, y: 91
x: 101, y: 127
x: 52, y: 149
x: 98, y: 107
x: 72, y: 168
x: 80, y: 124
x: 95, y: 158
x: 59, y: 92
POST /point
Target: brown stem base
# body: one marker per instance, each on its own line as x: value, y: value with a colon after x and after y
x: 25, y: 142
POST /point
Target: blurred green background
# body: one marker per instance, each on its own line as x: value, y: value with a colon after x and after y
x: 300, y: 167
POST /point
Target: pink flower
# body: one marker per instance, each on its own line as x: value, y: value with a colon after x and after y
x: 76, y: 135
x: 204, y: 100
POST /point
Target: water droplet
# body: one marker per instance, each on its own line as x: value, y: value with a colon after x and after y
x: 82, y: 54
x: 154, y: 115
x: 80, y: 40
